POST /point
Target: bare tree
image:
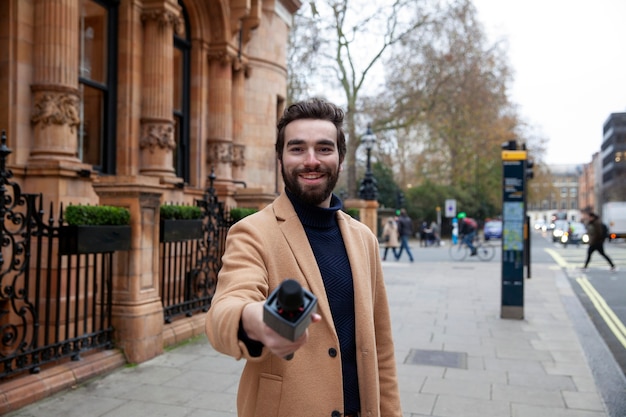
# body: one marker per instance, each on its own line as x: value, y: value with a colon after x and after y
x: 354, y: 37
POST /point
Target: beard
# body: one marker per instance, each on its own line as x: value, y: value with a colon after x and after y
x: 311, y: 195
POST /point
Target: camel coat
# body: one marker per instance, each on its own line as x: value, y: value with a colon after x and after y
x: 264, y: 249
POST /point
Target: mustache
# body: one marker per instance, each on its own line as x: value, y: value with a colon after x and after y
x: 319, y: 170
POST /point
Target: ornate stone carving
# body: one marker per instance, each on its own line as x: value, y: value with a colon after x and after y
x: 56, y: 108
x: 165, y: 18
x: 221, y: 56
x: 239, y: 159
x: 219, y: 152
x: 157, y: 135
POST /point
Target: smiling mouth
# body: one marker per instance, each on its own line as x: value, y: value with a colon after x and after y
x: 311, y: 176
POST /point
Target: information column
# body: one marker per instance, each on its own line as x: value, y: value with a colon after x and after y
x: 514, y: 216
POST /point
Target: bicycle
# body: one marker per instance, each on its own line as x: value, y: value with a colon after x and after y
x: 484, y: 251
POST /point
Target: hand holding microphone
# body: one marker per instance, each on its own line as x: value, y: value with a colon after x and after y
x: 288, y: 310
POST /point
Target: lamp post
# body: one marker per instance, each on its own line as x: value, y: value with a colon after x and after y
x: 368, y: 190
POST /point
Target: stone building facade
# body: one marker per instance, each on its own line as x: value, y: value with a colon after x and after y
x: 134, y: 103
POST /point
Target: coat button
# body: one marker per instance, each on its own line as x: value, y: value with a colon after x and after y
x: 335, y: 414
x: 332, y: 352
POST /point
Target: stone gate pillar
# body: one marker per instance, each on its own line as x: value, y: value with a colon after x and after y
x: 157, y: 142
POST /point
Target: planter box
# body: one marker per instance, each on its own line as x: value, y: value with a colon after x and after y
x: 93, y: 239
x: 180, y: 230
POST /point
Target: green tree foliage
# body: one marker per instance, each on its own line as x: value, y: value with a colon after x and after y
x: 387, y: 188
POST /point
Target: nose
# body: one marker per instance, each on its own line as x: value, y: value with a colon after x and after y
x: 311, y: 159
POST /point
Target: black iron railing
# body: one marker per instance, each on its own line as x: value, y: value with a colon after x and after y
x: 52, y: 306
x: 188, y: 268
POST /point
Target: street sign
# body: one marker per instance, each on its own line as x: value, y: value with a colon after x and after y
x: 451, y: 207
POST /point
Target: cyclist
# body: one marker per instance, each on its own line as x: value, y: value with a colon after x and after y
x: 467, y: 231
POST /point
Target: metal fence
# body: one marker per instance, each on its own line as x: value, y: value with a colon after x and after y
x: 56, y: 304
x: 188, y: 268
x: 52, y: 306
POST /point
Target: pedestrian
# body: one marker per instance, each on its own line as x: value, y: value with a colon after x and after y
x: 304, y: 235
x: 595, y: 231
x: 436, y: 239
x: 424, y: 234
x: 405, y: 230
x: 455, y: 231
x: 390, y: 237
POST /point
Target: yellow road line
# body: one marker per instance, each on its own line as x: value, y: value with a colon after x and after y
x: 557, y: 258
x: 610, y: 318
x: 607, y: 314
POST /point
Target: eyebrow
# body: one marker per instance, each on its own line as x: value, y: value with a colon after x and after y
x: 318, y: 142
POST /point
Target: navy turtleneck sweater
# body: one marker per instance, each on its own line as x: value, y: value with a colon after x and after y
x: 322, y: 230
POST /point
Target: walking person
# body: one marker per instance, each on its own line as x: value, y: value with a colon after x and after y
x: 304, y: 235
x: 405, y: 231
x: 390, y: 237
x: 434, y: 227
x: 596, y: 238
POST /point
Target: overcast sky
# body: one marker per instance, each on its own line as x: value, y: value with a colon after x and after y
x: 569, y: 59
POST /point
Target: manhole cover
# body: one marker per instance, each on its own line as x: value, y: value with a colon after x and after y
x: 437, y: 358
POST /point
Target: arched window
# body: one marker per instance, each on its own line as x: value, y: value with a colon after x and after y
x: 97, y: 83
x: 182, y: 50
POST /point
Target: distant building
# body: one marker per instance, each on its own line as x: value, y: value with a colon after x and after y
x: 565, y: 182
x: 590, y: 184
x: 613, y: 156
x: 562, y: 195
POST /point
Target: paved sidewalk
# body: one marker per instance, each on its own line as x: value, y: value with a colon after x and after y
x: 456, y: 357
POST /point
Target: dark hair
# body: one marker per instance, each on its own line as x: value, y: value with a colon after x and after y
x: 314, y: 108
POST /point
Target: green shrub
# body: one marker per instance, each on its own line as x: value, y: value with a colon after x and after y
x: 239, y: 213
x: 180, y: 212
x: 354, y: 213
x: 96, y: 215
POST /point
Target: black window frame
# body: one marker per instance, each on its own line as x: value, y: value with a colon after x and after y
x: 182, y: 162
x: 108, y: 146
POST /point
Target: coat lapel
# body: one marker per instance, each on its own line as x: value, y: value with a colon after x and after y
x: 296, y: 238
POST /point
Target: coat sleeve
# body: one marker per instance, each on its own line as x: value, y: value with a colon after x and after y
x: 243, y: 279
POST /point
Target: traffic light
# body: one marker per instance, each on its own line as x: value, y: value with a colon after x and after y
x: 400, y: 199
x: 529, y: 169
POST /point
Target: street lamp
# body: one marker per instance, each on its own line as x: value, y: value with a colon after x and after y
x: 368, y: 190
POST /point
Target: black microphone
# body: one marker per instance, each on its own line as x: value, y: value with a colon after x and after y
x: 288, y: 310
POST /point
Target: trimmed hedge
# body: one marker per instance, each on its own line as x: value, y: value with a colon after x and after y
x: 180, y: 212
x: 239, y: 213
x: 76, y: 215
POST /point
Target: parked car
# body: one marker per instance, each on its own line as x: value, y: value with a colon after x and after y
x: 575, y: 234
x: 492, y: 229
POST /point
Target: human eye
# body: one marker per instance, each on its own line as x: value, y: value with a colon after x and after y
x: 326, y: 148
x: 295, y: 149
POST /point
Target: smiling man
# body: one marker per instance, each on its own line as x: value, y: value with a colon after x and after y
x: 304, y: 235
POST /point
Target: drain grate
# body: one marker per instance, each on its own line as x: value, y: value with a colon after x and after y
x: 437, y: 358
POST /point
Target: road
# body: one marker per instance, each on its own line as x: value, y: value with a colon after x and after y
x: 602, y: 293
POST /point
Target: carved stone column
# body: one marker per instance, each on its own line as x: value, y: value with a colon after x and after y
x: 157, y: 143
x: 55, y: 115
x: 239, y: 102
x: 220, y: 117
